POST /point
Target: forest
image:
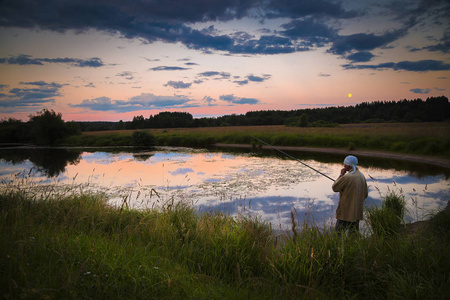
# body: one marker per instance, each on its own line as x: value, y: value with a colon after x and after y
x: 433, y: 109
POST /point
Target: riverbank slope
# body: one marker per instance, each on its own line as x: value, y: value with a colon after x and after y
x: 438, y: 161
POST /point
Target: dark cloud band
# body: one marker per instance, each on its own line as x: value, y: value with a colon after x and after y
x: 23, y: 59
x: 413, y: 66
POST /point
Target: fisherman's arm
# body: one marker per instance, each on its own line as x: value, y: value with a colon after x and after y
x: 339, y: 184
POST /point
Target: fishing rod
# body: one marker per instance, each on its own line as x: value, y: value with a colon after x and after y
x: 288, y: 155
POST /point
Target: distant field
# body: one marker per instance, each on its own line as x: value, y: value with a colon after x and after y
x: 438, y: 130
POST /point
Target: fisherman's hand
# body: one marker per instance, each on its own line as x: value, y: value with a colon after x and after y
x: 343, y: 171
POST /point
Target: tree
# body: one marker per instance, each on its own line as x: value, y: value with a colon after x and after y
x: 47, y: 127
x: 303, y: 121
x: 13, y: 131
x: 72, y: 128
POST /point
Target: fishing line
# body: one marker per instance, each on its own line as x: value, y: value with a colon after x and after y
x: 275, y: 148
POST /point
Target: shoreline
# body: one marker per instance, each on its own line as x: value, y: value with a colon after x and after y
x: 437, y: 161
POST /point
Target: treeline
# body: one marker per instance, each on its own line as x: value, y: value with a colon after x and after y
x: 44, y: 128
x: 433, y: 109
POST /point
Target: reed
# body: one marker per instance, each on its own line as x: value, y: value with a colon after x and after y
x: 75, y: 246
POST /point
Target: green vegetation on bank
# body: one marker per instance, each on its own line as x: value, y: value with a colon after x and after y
x: 415, y: 138
x: 327, y: 127
x: 64, y: 245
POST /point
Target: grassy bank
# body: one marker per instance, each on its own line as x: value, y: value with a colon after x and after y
x: 74, y: 246
x: 412, y: 138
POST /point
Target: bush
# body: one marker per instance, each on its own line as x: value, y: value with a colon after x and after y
x: 143, y: 138
x: 322, y: 123
x: 351, y: 146
x: 398, y: 146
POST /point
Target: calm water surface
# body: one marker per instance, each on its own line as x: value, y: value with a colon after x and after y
x: 247, y: 182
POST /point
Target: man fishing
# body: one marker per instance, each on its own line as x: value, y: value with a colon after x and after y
x: 352, y: 188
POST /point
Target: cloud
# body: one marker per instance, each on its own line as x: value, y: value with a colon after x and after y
x: 420, y: 91
x: 241, y: 82
x: 23, y: 59
x: 209, y: 100
x: 364, y: 41
x: 167, y: 68
x: 217, y: 75
x: 169, y: 21
x: 20, y: 59
x: 151, y: 60
x: 412, y: 66
x: 252, y: 78
x: 425, y: 91
x: 39, y: 94
x: 43, y: 84
x: 310, y: 32
x: 144, y: 101
x: 126, y: 74
x: 264, y: 45
x: 237, y: 100
x: 362, y: 56
x: 443, y: 47
x: 258, y: 78
x: 178, y: 84
x: 308, y: 24
x: 413, y: 13
x: 297, y: 9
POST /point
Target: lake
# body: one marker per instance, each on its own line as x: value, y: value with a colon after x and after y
x: 253, y: 182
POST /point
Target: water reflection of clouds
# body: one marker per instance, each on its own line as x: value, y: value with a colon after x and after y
x: 226, y: 156
x: 6, y: 169
x: 181, y: 171
x: 165, y: 156
x: 212, y: 180
x: 96, y: 157
x: 275, y: 209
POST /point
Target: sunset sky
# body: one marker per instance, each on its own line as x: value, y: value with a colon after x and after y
x: 110, y: 60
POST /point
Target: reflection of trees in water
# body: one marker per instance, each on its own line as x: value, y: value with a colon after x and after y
x: 142, y: 157
x: 50, y: 162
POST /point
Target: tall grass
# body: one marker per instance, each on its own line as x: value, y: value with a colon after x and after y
x: 387, y: 218
x: 76, y: 246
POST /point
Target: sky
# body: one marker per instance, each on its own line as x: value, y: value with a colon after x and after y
x: 111, y: 60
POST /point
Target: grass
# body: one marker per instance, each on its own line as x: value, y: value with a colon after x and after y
x: 414, y: 138
x: 75, y: 246
x: 387, y: 219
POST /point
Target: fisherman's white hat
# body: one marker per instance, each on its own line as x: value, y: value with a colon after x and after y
x: 351, y: 161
